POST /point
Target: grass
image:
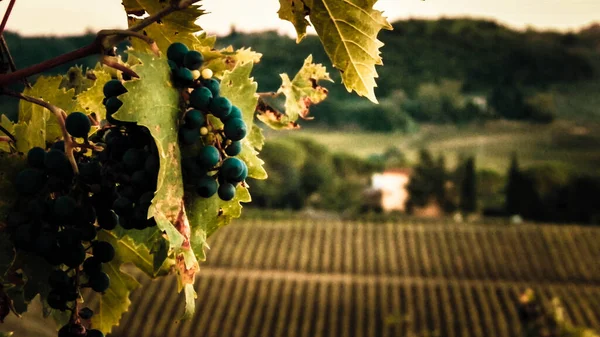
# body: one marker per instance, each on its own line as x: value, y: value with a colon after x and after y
x: 572, y: 144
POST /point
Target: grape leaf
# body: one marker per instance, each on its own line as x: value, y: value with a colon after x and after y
x: 115, y: 301
x: 11, y: 164
x: 6, y: 334
x: 227, y: 58
x: 153, y: 102
x: 256, y: 138
x: 304, y: 89
x: 76, y: 80
x: 178, y: 26
x: 90, y: 100
x: 295, y: 12
x: 151, y: 240
x: 348, y: 31
x: 9, y: 126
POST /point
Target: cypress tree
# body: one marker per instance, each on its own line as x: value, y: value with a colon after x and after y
x: 514, y: 186
x: 468, y: 190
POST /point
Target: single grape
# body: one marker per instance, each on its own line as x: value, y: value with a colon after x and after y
x: 90, y: 172
x: 54, y: 256
x: 234, y: 148
x: 196, y: 74
x: 176, y: 52
x: 99, y: 282
x: 220, y: 107
x: 60, y: 146
x: 107, y: 220
x: 69, y: 237
x: 122, y: 206
x: 113, y: 88
x: 206, y: 187
x: 172, y: 65
x: 243, y: 175
x: 235, y: 129
x: 69, y: 294
x: 193, y: 60
x: 59, y: 279
x: 72, y: 330
x: 134, y: 159
x: 207, y: 73
x: 112, y: 105
x: 152, y: 165
x: 194, y: 119
x: 35, y: 157
x: 56, y: 162
x: 92, y: 265
x: 55, y: 301
x: 88, y: 232
x: 78, y: 124
x: 235, y: 113
x: 189, y: 136
x: 200, y: 98
x: 226, y: 191
x: 140, y: 180
x: 94, y: 333
x: 208, y: 157
x: 46, y: 243
x: 64, y: 206
x: 86, y: 313
x: 232, y: 169
x: 213, y: 85
x: 203, y: 131
x: 30, y: 181
x: 103, y: 250
x: 73, y: 256
x: 184, y: 77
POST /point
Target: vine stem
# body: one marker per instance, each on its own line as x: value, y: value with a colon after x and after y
x: 8, y: 134
x: 96, y: 47
x: 11, y: 4
x: 60, y: 116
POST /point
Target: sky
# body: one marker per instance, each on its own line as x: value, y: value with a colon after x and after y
x: 70, y: 17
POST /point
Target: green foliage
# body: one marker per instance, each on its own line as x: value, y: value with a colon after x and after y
x: 468, y: 187
x: 352, y: 48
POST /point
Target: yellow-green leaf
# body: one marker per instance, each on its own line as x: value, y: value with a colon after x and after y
x: 348, y: 30
x: 295, y: 12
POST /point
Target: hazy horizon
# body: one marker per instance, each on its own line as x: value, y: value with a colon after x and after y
x: 77, y: 17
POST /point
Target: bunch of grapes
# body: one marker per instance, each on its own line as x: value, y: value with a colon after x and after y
x: 211, y: 125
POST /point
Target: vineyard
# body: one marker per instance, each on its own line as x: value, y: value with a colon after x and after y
x: 331, y: 278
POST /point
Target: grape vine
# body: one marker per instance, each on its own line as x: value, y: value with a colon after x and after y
x: 140, y: 159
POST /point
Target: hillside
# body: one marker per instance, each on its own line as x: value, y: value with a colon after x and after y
x: 478, y: 55
x: 329, y: 278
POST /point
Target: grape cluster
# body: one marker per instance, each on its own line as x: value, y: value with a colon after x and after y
x: 77, y: 329
x: 131, y: 164
x: 210, y: 123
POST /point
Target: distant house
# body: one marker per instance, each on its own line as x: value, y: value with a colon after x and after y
x: 391, y: 189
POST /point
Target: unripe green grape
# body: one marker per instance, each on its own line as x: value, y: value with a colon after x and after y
x: 78, y: 124
x: 196, y: 74
x: 30, y: 181
x: 235, y: 113
x: 64, y: 206
x: 99, y: 282
x: 232, y: 168
x: 112, y: 105
x: 200, y: 98
x: 234, y: 148
x: 213, y: 85
x: 104, y: 251
x: 35, y: 157
x: 208, y: 157
x: 189, y: 136
x: 113, y: 88
x: 235, y: 129
x: 176, y: 52
x: 193, y: 60
x: 207, y: 73
x: 226, y: 191
x: 203, y: 131
x: 206, y: 187
x: 183, y: 77
x: 220, y: 107
x: 194, y: 119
